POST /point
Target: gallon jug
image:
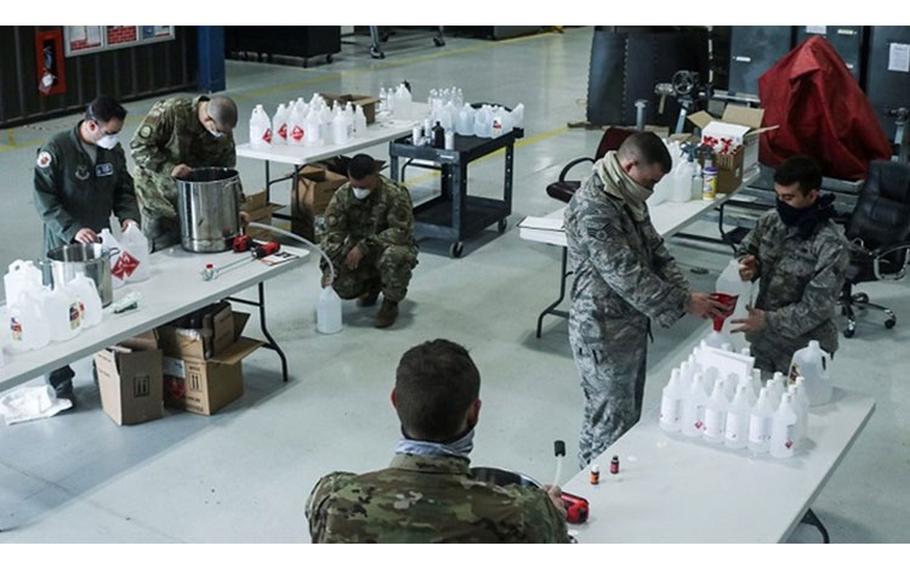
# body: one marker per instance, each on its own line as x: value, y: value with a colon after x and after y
x: 136, y: 244
x: 64, y: 314
x: 760, y: 422
x: 21, y: 276
x: 298, y: 126
x: 313, y: 135
x: 681, y: 181
x: 339, y: 128
x: 86, y: 293
x: 110, y: 245
x: 328, y: 312
x: 815, y: 365
x: 280, y: 124
x: 693, y: 420
x: 28, y: 328
x: 360, y: 122
x: 783, y: 430
x: 518, y: 116
x: 260, y: 128
x: 671, y: 404
x: 464, y: 125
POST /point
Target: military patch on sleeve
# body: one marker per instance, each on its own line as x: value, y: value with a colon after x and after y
x: 145, y: 131
x: 44, y: 159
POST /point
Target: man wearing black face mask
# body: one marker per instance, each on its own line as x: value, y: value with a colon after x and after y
x: 428, y: 494
x: 80, y: 178
x: 801, y: 258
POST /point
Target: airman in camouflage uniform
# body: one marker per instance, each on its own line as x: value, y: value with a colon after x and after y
x: 429, y: 494
x: 176, y: 132
x: 429, y: 499
x: 802, y: 268
x: 381, y: 226
x: 624, y: 278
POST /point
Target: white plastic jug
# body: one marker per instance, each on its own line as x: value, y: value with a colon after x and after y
x: 328, y: 312
x: 280, y: 124
x: 28, y: 327
x: 681, y: 182
x: 731, y: 284
x: 339, y: 128
x: 297, y: 127
x: 694, y: 407
x: 22, y: 275
x: 110, y: 245
x: 260, y: 128
x: 464, y: 123
x: 736, y: 433
x: 482, y: 122
x: 312, y: 127
x: 518, y: 116
x: 671, y: 404
x: 64, y: 314
x: 814, y: 364
x: 716, y: 415
x: 134, y: 242
x: 86, y: 293
x: 760, y: 422
x: 360, y: 122
x: 783, y: 430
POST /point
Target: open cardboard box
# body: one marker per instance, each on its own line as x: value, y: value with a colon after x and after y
x: 130, y: 379
x: 742, y: 124
x: 367, y: 102
x: 205, y: 385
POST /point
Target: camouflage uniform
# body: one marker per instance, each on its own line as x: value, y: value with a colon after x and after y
x: 624, y: 277
x: 429, y: 499
x: 169, y: 135
x: 382, y: 225
x: 801, y: 280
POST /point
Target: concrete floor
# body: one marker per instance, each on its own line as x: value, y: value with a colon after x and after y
x: 243, y: 475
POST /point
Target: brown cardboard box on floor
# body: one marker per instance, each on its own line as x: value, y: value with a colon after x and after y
x: 205, y: 385
x: 215, y: 333
x: 130, y: 380
x: 260, y: 211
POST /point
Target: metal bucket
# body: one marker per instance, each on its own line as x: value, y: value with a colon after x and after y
x: 498, y: 476
x: 209, y: 209
x: 65, y: 262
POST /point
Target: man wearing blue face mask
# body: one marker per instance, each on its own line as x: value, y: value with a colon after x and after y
x: 801, y: 257
x: 80, y: 179
x: 177, y: 135
x: 428, y: 493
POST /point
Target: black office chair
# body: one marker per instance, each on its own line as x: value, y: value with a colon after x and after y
x: 563, y: 189
x: 879, y: 235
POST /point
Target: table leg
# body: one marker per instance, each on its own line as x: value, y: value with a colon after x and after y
x: 507, y: 183
x: 272, y: 344
x: 458, y: 186
x: 393, y: 168
x: 811, y: 519
x: 551, y: 309
x: 268, y: 186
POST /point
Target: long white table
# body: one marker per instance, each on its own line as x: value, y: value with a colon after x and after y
x: 383, y: 130
x: 668, y: 219
x: 671, y: 489
x: 175, y: 288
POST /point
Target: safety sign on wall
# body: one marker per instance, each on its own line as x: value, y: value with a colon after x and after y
x: 79, y: 40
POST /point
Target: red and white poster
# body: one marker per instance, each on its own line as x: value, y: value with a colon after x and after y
x: 83, y: 39
x: 119, y: 35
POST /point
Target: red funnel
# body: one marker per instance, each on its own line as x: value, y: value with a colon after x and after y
x: 729, y: 302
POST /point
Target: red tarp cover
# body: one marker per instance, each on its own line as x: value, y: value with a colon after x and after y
x: 822, y: 113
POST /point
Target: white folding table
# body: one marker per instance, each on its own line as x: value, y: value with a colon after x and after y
x: 175, y: 288
x: 671, y: 489
x: 383, y: 130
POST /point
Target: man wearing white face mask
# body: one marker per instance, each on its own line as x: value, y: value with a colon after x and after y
x: 80, y: 178
x: 178, y: 135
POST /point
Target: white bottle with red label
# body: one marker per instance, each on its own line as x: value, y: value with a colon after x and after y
x: 64, y: 314
x: 28, y: 326
x: 260, y: 128
x: 280, y: 124
x: 761, y: 420
x: 736, y: 433
x: 693, y: 420
x: 671, y: 403
x: 784, y: 429
x: 297, y: 126
x: 135, y: 245
x: 110, y: 245
x: 86, y: 293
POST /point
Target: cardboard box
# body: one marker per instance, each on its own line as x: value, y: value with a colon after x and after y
x: 260, y: 211
x: 368, y: 102
x: 742, y: 124
x: 130, y: 378
x: 206, y: 385
x: 729, y: 170
x: 216, y: 332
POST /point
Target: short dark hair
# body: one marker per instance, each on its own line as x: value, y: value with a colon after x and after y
x: 648, y: 148
x: 802, y: 170
x: 105, y: 109
x: 223, y: 111
x: 361, y: 166
x: 435, y: 385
